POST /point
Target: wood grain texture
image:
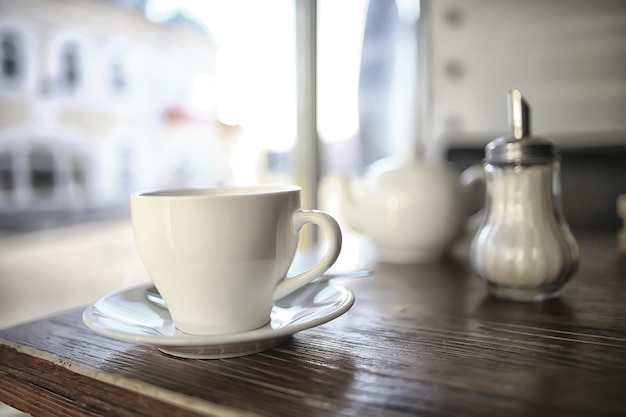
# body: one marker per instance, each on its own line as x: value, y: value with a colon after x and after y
x: 420, y: 340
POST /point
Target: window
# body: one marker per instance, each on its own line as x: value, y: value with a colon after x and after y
x: 118, y: 77
x: 12, y: 62
x: 6, y: 171
x: 73, y: 66
x: 70, y: 71
x: 10, y: 57
x: 42, y: 178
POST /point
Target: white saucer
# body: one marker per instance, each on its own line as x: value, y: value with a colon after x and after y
x: 128, y: 315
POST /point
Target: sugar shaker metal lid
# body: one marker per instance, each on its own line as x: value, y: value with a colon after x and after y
x: 520, y: 147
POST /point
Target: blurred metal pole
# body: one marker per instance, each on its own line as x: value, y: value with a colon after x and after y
x: 306, y: 156
x: 425, y: 76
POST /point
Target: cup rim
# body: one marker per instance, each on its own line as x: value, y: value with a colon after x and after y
x: 217, y: 192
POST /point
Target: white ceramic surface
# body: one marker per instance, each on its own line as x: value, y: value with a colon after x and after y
x: 413, y: 210
x: 128, y: 315
x: 219, y: 256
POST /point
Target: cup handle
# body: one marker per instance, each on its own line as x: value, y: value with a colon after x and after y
x: 332, y: 231
x: 469, y: 177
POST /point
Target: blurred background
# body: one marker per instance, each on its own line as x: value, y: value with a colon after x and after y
x: 101, y: 98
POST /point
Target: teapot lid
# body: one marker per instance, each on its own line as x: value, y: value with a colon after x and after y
x: 520, y: 147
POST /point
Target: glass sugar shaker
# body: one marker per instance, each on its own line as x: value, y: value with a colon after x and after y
x: 523, y: 249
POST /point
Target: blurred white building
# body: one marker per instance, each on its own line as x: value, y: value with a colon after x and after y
x: 95, y: 101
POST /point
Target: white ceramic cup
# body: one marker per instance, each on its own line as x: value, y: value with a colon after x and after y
x: 219, y: 257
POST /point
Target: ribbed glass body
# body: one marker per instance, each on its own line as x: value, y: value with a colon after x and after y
x: 524, y: 249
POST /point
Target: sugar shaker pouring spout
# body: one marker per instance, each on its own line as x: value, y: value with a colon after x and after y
x: 519, y: 115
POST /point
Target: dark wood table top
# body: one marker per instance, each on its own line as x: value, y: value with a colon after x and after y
x: 420, y: 340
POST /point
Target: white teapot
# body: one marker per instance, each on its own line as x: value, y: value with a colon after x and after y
x: 412, y: 209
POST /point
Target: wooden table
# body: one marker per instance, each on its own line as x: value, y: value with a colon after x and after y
x: 420, y: 340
